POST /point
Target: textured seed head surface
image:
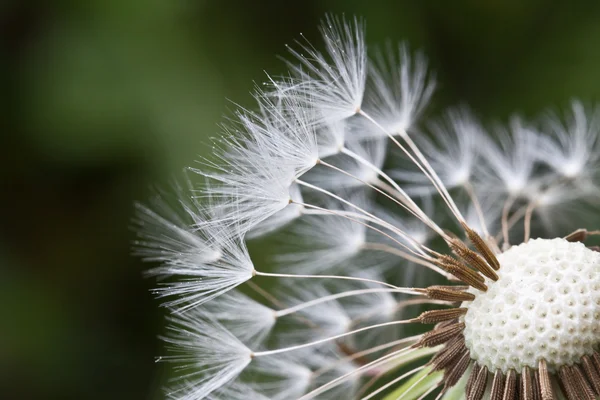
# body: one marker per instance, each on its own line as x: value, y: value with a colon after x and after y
x: 545, y: 304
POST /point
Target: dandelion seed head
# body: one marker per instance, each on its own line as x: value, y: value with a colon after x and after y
x: 367, y: 221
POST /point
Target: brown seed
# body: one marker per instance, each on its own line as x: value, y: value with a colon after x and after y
x: 537, y: 394
x: 445, y: 324
x: 497, y: 392
x: 577, y: 236
x: 545, y: 383
x: 453, y: 374
x: 462, y: 272
x: 435, y: 316
x: 596, y: 360
x: 447, y: 293
x: 482, y: 247
x: 473, y: 259
x: 478, y: 388
x: 526, y: 384
x: 454, y: 263
x: 440, y: 336
x: 583, y: 387
x: 591, y: 373
x: 455, y: 348
x: 568, y: 383
x: 510, y: 387
x: 472, y: 377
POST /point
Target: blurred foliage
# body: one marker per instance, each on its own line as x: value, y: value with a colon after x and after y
x: 104, y: 98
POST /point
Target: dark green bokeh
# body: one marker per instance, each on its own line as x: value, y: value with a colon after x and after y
x: 104, y: 98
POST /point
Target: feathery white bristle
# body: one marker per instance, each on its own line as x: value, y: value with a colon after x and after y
x: 237, y: 391
x: 332, y: 137
x: 282, y: 378
x: 203, y: 281
x: 321, y: 243
x: 282, y: 217
x: 326, y: 320
x: 369, y: 309
x: 356, y: 173
x: 451, y: 151
x: 572, y: 148
x: 173, y: 237
x: 332, y: 83
x: 399, y: 89
x: 248, y: 320
x: 509, y: 163
x: 208, y: 355
x: 334, y: 367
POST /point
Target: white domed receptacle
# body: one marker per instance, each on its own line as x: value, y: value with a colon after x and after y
x: 545, y: 305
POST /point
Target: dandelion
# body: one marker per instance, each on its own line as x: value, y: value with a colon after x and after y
x: 451, y: 239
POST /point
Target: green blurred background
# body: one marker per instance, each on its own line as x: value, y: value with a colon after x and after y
x: 102, y: 99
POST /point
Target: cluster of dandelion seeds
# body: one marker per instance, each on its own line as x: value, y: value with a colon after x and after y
x: 368, y: 205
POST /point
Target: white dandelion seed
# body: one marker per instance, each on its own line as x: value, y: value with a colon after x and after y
x: 203, y: 280
x: 283, y: 378
x: 320, y: 243
x: 332, y: 137
x: 400, y: 88
x: 174, y: 235
x: 326, y: 320
x: 332, y: 83
x: 282, y: 217
x: 452, y: 152
x: 510, y: 163
x: 572, y: 148
x: 248, y: 320
x: 208, y: 355
x: 367, y: 157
